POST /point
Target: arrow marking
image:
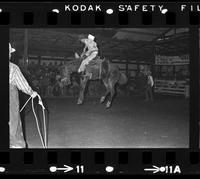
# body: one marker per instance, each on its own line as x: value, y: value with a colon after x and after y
x: 155, y: 169
x: 65, y: 169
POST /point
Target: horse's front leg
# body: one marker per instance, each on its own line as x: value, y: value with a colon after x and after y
x: 82, y: 90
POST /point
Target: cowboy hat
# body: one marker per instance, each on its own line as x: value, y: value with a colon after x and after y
x: 11, y: 50
x: 91, y: 37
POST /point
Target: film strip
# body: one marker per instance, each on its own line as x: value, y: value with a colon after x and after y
x: 108, y: 15
x: 102, y: 161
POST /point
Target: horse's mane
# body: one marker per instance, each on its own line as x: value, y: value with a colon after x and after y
x: 74, y: 64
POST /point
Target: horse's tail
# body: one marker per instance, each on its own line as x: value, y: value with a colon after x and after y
x: 122, y: 79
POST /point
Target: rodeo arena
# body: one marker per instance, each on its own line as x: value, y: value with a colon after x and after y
x: 132, y: 93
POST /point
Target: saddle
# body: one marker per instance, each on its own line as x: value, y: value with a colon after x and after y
x: 100, y: 64
x: 96, y: 61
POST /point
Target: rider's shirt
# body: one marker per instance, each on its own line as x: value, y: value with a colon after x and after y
x: 91, y: 46
x: 16, y: 82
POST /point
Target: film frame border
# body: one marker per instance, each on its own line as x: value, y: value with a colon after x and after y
x: 25, y: 18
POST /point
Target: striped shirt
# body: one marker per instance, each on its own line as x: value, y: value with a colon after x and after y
x: 17, y: 79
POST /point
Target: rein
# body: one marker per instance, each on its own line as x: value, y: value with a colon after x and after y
x: 100, y: 70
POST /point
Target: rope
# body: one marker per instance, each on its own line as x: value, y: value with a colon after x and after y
x: 44, y: 120
x: 25, y: 104
x: 44, y: 142
x: 37, y: 125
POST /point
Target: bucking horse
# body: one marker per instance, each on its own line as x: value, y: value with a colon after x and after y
x: 97, y: 69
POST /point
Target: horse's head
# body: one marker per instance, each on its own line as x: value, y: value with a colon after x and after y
x: 69, y: 67
x: 79, y: 57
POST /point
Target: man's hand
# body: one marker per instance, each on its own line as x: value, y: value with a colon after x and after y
x: 34, y: 94
x: 84, y: 51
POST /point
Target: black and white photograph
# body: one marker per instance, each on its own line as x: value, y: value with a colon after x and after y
x: 99, y: 87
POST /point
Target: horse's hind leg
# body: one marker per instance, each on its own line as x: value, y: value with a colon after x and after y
x: 82, y: 90
x: 104, y: 97
x: 106, y: 93
x: 111, y: 86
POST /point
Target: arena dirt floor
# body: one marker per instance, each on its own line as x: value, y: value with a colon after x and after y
x: 129, y: 123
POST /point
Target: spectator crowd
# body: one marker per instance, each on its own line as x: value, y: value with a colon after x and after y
x: 45, y: 79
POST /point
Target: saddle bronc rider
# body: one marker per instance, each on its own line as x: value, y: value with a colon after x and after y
x: 90, y: 51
